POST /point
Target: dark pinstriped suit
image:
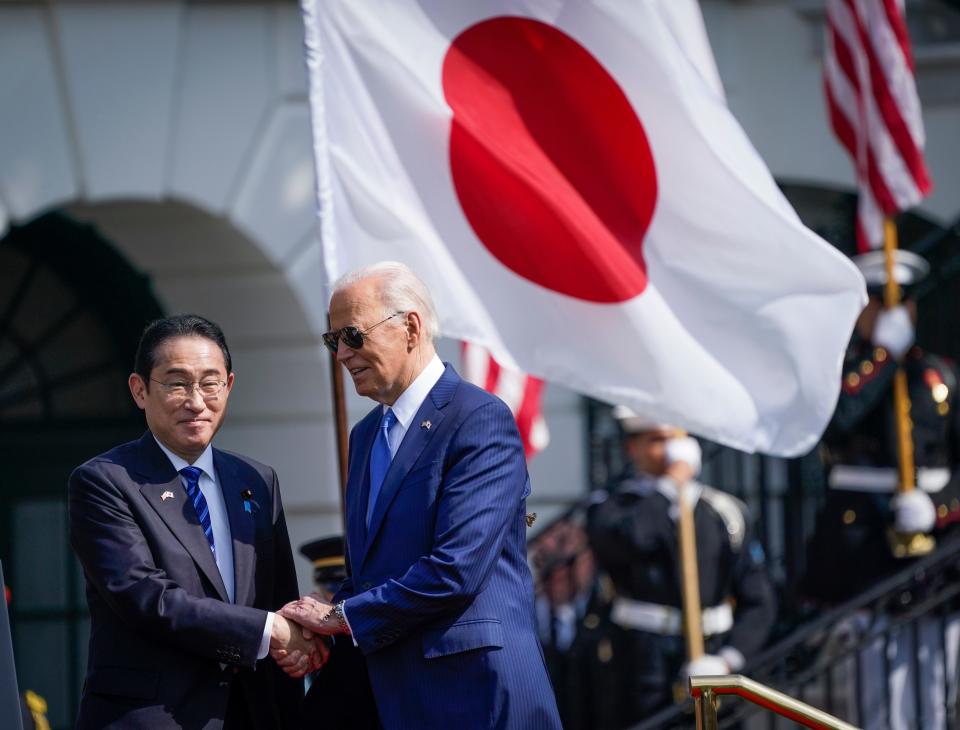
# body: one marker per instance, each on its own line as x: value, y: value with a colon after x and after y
x: 441, y: 599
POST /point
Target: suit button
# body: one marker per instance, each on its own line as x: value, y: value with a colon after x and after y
x: 367, y: 586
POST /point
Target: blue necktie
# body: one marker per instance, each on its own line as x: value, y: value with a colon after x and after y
x: 191, y: 475
x: 380, y: 459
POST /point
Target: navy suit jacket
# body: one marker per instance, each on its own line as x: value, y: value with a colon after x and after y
x: 166, y: 646
x: 441, y: 598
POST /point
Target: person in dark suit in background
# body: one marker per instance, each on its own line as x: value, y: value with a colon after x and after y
x: 440, y: 598
x: 573, y: 606
x: 185, y: 552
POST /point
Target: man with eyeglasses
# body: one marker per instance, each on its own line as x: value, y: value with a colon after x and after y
x: 185, y: 552
x: 440, y: 599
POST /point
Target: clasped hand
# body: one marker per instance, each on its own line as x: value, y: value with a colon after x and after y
x: 302, y: 626
x: 296, y: 649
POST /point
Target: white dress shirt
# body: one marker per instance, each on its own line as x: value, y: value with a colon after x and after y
x: 410, y: 400
x: 220, y: 524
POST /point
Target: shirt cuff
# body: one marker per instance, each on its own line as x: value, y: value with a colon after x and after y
x: 265, y: 639
x: 349, y: 627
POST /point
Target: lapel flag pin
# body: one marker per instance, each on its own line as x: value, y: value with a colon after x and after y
x: 425, y: 424
x: 166, y: 495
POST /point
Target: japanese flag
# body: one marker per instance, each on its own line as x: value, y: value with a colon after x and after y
x: 567, y: 179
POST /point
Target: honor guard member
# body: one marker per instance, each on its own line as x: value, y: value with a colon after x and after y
x: 339, y: 695
x: 329, y: 565
x: 850, y: 551
x: 633, y: 534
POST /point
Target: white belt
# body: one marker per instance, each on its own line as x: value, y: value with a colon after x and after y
x: 884, y: 478
x: 667, y: 620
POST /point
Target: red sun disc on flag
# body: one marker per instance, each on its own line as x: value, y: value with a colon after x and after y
x: 550, y: 163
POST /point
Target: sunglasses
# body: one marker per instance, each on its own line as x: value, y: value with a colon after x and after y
x: 351, y: 336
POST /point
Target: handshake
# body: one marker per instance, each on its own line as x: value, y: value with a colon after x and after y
x: 298, y: 639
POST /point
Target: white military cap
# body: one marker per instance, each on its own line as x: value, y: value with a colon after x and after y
x: 632, y: 422
x: 908, y: 267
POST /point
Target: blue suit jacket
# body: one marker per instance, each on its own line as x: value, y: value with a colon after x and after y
x: 441, y: 598
x: 165, y: 645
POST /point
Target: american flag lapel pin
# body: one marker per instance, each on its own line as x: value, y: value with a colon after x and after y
x: 425, y: 424
x: 166, y: 495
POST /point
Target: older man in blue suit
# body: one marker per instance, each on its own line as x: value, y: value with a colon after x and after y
x: 440, y: 599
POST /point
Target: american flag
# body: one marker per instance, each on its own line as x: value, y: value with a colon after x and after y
x: 521, y: 392
x: 874, y: 109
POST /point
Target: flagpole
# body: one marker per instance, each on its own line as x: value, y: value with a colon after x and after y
x: 692, y: 612
x: 689, y: 586
x: 340, y: 425
x: 902, y: 544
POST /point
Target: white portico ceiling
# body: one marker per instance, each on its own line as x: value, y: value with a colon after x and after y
x: 201, y: 103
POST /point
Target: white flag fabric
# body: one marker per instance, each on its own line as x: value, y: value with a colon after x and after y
x: 567, y: 179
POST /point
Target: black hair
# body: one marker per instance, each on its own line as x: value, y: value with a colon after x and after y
x: 179, y: 325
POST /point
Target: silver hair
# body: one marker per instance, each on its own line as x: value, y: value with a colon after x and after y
x: 400, y: 290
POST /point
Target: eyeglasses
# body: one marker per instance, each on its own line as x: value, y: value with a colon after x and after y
x: 181, y: 389
x: 352, y: 336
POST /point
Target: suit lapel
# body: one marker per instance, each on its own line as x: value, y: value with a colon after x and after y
x: 414, y: 442
x: 242, y: 528
x: 164, y: 491
x: 358, y: 490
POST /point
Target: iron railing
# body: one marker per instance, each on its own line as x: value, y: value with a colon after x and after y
x: 887, y: 658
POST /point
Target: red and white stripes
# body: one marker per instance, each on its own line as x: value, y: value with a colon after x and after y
x: 521, y: 392
x: 874, y: 108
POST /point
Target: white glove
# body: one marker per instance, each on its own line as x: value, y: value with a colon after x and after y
x: 893, y: 331
x: 709, y: 665
x: 685, y: 449
x: 913, y: 511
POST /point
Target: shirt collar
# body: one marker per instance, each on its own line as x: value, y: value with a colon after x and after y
x: 410, y: 400
x: 204, y: 462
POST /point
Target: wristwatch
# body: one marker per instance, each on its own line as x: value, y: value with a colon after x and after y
x: 341, y: 620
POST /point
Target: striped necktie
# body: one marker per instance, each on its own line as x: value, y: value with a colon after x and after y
x: 191, y: 478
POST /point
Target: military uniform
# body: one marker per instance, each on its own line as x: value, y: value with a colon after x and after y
x: 849, y: 551
x: 339, y: 695
x: 633, y: 534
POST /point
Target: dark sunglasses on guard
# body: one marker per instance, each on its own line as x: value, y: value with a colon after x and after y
x: 351, y: 336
